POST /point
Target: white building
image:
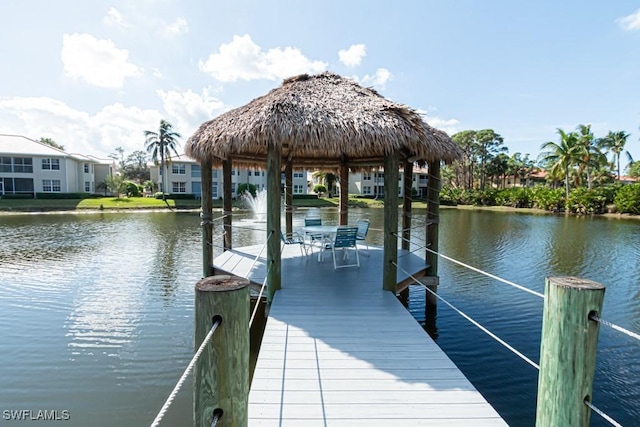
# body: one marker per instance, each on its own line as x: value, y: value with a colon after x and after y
x: 184, y: 176
x: 371, y: 183
x: 30, y: 167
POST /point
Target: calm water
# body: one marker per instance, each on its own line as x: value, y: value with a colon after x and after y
x: 97, y: 310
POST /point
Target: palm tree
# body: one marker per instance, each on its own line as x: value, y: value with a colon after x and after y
x: 615, y: 142
x: 160, y: 144
x: 591, y: 157
x: 562, y: 156
x: 328, y: 178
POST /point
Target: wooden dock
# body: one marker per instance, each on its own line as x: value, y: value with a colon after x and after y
x: 339, y: 351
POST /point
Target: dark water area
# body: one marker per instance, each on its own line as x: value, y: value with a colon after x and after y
x: 97, y: 310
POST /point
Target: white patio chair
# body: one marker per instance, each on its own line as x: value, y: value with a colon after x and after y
x: 363, y: 229
x: 296, y: 239
x: 344, y: 239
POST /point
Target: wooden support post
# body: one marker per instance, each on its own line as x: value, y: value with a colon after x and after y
x: 406, y: 205
x: 227, y: 200
x: 221, y: 374
x: 390, y: 255
x: 344, y: 194
x: 206, y: 216
x: 433, y: 216
x: 568, y: 351
x: 273, y: 220
x: 288, y: 198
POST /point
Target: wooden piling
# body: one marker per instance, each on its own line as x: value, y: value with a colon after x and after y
x: 221, y: 374
x: 406, y: 205
x: 274, y: 276
x: 568, y: 351
x: 390, y: 247
x: 207, y: 218
x: 227, y: 203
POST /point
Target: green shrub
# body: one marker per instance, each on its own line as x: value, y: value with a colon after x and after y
x: 548, y: 199
x: 247, y: 187
x: 319, y: 188
x: 179, y: 196
x: 16, y: 196
x: 627, y: 199
x: 132, y: 189
x: 59, y: 196
x: 583, y: 201
x: 305, y: 196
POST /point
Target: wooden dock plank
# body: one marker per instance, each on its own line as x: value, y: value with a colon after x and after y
x: 339, y: 351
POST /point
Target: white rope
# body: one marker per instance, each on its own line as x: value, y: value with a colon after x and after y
x: 602, y: 414
x: 616, y: 327
x: 261, y: 249
x: 515, y: 285
x: 184, y: 376
x: 255, y: 308
x: 478, y: 325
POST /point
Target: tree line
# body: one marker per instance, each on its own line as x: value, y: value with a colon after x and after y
x: 577, y: 159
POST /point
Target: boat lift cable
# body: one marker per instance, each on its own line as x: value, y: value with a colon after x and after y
x: 187, y: 371
x: 475, y: 323
x: 477, y: 270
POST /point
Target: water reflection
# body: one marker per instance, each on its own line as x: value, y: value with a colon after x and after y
x: 98, y: 309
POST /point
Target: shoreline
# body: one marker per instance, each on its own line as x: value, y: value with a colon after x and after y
x: 502, y: 209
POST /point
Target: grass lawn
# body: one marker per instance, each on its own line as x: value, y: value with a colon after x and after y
x: 137, y: 203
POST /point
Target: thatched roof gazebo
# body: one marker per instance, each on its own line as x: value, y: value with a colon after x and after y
x: 324, y: 122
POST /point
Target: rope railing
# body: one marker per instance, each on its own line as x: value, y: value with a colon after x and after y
x: 601, y: 413
x: 264, y: 284
x: 627, y: 332
x: 467, y: 317
x: 260, y: 252
x: 493, y: 276
x: 187, y: 371
x: 501, y: 341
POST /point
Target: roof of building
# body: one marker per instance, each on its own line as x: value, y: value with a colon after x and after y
x: 21, y: 145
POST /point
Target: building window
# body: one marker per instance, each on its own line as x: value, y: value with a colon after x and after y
x: 249, y: 172
x: 23, y: 165
x: 298, y: 189
x: 179, y: 187
x: 298, y: 174
x: 51, y: 164
x: 196, y: 172
x: 233, y: 172
x: 51, y: 185
x: 214, y: 173
x: 87, y: 186
x: 214, y: 190
x: 5, y: 164
x: 178, y: 169
x: 233, y: 187
x: 86, y: 168
x: 366, y: 189
x: 366, y: 176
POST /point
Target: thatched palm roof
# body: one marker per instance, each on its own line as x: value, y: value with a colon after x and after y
x: 320, y: 121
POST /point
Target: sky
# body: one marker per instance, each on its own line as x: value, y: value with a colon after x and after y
x: 94, y: 75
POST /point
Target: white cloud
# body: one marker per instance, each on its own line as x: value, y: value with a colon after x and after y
x: 98, y: 62
x: 78, y: 131
x: 450, y: 126
x: 630, y: 22
x: 378, y: 80
x: 242, y: 59
x: 113, y: 18
x: 353, y: 56
x: 189, y: 110
x: 177, y: 28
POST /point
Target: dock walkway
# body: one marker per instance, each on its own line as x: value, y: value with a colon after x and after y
x: 339, y: 351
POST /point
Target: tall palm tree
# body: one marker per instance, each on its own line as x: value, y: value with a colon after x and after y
x: 160, y: 144
x: 591, y: 157
x: 562, y: 156
x: 614, y: 142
